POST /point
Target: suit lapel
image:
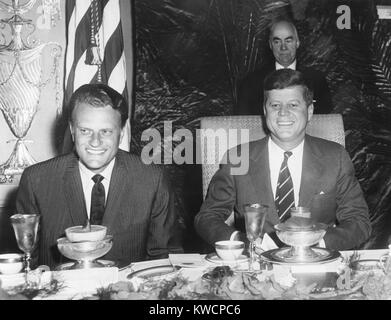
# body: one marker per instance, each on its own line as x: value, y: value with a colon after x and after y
x: 310, y: 176
x: 260, y: 178
x: 74, y: 194
x: 311, y: 172
x: 118, y: 185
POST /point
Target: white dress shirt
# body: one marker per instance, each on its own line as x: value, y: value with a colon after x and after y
x: 291, y: 66
x: 87, y: 182
x: 276, y: 156
x: 295, y: 164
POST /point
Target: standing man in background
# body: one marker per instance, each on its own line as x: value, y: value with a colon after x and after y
x: 284, y: 42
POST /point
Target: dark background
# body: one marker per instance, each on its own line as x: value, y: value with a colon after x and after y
x: 190, y: 55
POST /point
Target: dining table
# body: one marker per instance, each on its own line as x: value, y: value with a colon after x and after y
x: 139, y: 279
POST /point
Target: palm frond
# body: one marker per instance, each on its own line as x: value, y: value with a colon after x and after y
x: 188, y: 65
x: 367, y: 49
x: 381, y: 53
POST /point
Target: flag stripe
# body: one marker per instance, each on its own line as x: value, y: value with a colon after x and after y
x: 81, y: 18
x: 78, y: 41
x: 111, y: 43
x: 78, y: 37
x: 112, y: 53
x: 110, y: 20
x: 115, y: 80
x: 69, y: 6
x: 70, y: 18
x: 86, y: 70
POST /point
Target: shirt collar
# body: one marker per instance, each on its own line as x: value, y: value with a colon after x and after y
x: 273, y: 147
x: 291, y: 66
x: 106, y: 173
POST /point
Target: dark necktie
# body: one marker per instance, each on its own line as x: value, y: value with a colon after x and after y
x: 97, y: 200
x: 285, y: 198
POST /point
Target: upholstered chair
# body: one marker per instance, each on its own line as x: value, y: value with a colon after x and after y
x: 218, y: 139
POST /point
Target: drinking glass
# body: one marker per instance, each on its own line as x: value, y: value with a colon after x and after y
x: 254, y: 215
x: 26, y: 233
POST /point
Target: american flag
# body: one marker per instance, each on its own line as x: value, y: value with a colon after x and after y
x: 95, y: 50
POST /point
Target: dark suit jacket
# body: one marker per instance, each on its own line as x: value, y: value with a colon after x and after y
x: 139, y: 209
x: 328, y: 187
x: 250, y: 90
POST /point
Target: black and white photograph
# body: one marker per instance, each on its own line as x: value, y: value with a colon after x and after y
x: 197, y: 150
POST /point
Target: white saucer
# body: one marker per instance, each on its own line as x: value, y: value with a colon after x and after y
x: 214, y: 258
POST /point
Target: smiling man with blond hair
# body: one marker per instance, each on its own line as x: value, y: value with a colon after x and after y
x: 101, y: 183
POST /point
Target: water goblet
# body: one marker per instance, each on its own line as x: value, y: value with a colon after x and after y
x: 254, y: 215
x: 26, y: 233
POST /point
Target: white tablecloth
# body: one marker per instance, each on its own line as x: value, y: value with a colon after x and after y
x: 325, y: 267
x: 80, y: 283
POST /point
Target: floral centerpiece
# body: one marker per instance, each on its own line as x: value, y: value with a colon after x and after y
x: 222, y: 282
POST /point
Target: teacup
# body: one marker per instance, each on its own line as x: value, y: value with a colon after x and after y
x: 11, y: 263
x: 229, y: 250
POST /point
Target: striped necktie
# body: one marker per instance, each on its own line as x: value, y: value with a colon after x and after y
x: 285, y: 198
x: 97, y: 200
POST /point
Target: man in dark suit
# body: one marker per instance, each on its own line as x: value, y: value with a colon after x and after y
x: 284, y: 42
x: 321, y: 175
x: 99, y: 179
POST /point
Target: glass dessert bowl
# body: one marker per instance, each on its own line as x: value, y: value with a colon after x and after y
x: 300, y: 232
x: 85, y: 253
